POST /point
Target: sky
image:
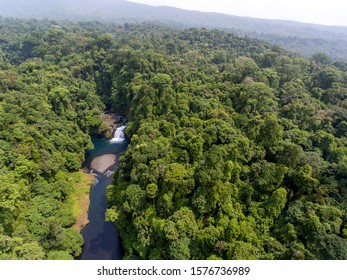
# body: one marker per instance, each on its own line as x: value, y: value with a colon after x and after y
x: 327, y: 12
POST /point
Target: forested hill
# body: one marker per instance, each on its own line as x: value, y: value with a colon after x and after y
x: 238, y: 148
x: 48, y: 108
x: 305, y: 39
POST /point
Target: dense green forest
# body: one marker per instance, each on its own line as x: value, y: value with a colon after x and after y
x: 303, y: 38
x: 48, y: 108
x: 238, y: 148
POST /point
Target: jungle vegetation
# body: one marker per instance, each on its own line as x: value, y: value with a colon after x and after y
x: 303, y: 38
x: 238, y: 148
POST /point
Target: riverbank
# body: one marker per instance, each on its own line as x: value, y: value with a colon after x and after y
x: 101, y: 240
x: 81, y: 198
x: 103, y: 163
x: 107, y: 126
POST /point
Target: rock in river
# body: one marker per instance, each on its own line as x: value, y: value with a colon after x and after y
x: 103, y: 163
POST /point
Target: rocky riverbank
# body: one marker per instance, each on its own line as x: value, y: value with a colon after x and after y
x: 103, y: 163
x: 109, y: 124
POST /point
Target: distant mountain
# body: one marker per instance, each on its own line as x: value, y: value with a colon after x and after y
x: 303, y: 38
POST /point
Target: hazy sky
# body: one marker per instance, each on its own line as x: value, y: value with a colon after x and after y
x: 329, y: 12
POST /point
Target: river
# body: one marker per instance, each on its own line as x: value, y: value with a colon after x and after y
x: 101, y: 239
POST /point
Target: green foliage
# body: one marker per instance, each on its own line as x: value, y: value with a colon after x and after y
x: 17, y: 249
x: 47, y: 102
x: 152, y: 190
x: 111, y: 215
x: 243, y: 251
x: 238, y: 148
x: 59, y: 255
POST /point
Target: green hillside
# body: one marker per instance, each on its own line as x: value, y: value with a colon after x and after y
x: 305, y: 39
x: 238, y: 148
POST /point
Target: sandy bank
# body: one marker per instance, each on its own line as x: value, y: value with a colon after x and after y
x: 103, y: 163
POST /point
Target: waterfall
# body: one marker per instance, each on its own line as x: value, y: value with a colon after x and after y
x: 119, y: 134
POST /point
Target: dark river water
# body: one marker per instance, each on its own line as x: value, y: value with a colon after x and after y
x: 101, y: 240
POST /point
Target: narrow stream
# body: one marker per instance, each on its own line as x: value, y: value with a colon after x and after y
x: 101, y: 240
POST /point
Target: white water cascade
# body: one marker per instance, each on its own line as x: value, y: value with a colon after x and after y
x: 119, y: 134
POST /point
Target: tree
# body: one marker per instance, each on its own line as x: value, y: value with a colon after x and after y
x: 243, y: 251
x: 181, y: 224
x: 152, y: 190
x: 162, y: 81
x: 327, y: 76
x: 329, y: 247
x: 179, y: 249
x: 134, y: 199
x: 276, y: 203
x: 59, y: 255
x: 321, y: 58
